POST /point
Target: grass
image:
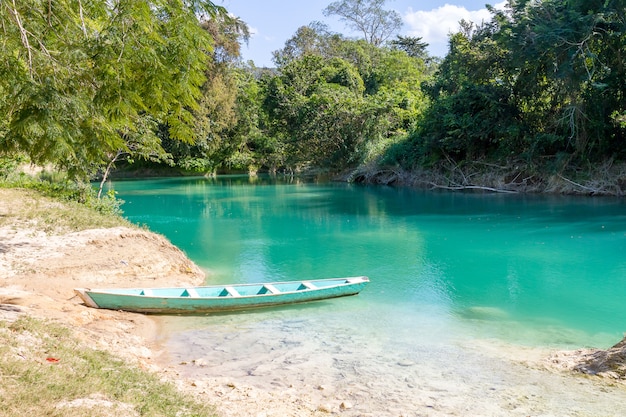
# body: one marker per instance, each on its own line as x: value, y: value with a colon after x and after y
x: 30, y: 208
x: 45, y: 371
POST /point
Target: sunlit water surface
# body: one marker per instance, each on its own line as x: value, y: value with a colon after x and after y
x: 446, y: 269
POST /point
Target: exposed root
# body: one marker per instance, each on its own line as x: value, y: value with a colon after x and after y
x: 607, y: 179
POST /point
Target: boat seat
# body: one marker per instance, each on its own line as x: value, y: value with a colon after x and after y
x: 271, y: 289
x: 232, y: 292
x: 308, y: 285
x: 190, y: 292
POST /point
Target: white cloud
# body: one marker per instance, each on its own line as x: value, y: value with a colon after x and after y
x: 253, y: 31
x: 435, y: 25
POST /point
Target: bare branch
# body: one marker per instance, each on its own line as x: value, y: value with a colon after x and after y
x: 107, y: 171
x: 82, y: 19
x: 473, y: 187
x: 578, y: 185
x: 23, y: 35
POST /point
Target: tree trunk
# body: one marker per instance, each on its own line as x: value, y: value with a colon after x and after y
x: 107, y: 171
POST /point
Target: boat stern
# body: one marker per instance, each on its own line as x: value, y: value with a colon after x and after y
x: 82, y: 293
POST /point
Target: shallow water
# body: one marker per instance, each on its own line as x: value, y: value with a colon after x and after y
x: 447, y: 271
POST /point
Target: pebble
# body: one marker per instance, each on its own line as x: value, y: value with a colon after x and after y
x: 200, y: 362
x: 346, y: 405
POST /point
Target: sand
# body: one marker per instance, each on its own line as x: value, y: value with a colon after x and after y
x: 38, y: 273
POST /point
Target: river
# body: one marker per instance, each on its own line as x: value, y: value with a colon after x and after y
x: 456, y: 280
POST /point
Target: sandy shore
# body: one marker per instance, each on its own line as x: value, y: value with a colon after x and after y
x: 38, y: 273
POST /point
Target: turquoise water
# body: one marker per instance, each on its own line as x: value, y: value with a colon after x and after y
x: 539, y: 271
x: 465, y: 288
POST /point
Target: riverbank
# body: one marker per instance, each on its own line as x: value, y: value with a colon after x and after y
x: 40, y: 266
x: 606, y: 179
x: 42, y: 260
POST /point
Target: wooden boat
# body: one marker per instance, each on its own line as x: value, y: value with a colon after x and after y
x: 218, y: 298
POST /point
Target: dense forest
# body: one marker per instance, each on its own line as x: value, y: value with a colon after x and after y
x: 532, y: 100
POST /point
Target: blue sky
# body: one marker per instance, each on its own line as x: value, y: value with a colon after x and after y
x: 273, y: 22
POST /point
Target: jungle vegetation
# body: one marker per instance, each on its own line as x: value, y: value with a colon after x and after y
x: 538, y: 92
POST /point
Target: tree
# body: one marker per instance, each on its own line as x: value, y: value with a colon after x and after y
x: 340, y: 105
x: 543, y: 81
x: 316, y: 108
x: 567, y: 71
x: 83, y: 81
x: 311, y: 39
x: 215, y: 114
x: 368, y: 17
x: 413, y: 46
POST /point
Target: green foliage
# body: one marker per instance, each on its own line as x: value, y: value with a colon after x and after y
x: 84, y: 84
x: 57, y: 185
x: 470, y: 124
x: 227, y: 112
x: 9, y: 166
x: 413, y: 46
x: 198, y: 165
x: 340, y: 102
x: 314, y: 39
x: 344, y: 108
x: 543, y: 79
x: 314, y: 106
x: 82, y: 81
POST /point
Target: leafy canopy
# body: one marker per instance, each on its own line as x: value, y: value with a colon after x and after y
x: 81, y: 81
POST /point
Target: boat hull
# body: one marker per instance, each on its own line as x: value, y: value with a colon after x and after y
x: 222, y: 298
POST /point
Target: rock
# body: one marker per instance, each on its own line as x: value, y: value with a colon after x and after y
x: 9, y: 307
x: 200, y: 362
x: 346, y: 405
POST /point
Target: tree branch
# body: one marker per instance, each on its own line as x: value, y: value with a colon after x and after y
x: 472, y: 187
x: 107, y: 171
x: 23, y: 36
x: 578, y: 185
x: 82, y: 19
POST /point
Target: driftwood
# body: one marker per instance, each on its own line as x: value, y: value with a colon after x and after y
x: 591, y: 190
x: 473, y: 187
